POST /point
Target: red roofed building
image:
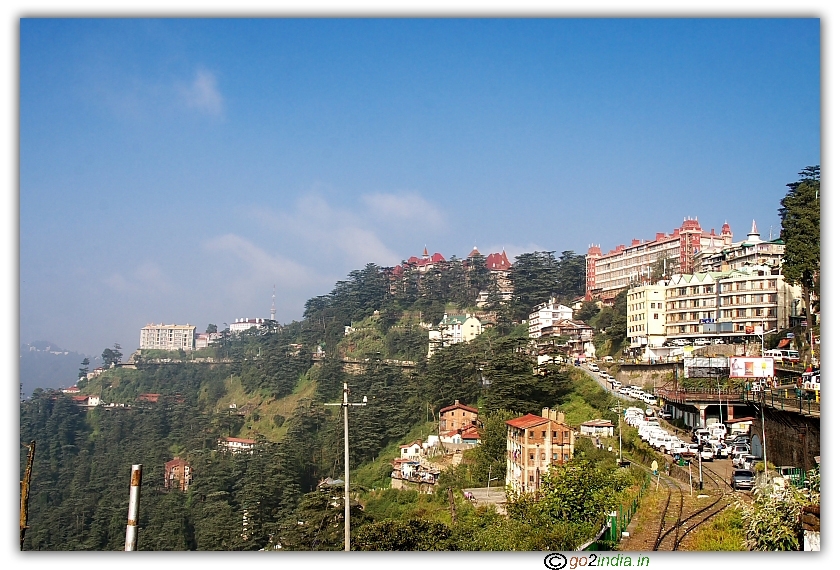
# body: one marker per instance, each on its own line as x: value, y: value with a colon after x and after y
x: 457, y: 416
x: 534, y: 443
x: 151, y: 398
x: 177, y: 474
x: 642, y: 261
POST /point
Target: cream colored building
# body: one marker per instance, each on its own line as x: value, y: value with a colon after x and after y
x: 167, y: 337
x: 646, y: 316
x: 454, y: 329
x: 727, y: 303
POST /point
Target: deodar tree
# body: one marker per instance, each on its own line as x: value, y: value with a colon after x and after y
x: 800, y: 216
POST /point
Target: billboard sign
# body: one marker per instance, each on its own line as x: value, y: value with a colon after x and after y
x: 744, y: 367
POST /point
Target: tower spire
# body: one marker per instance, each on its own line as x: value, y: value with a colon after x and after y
x: 273, y: 310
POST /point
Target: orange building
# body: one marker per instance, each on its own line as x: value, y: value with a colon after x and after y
x: 457, y: 416
x: 534, y: 443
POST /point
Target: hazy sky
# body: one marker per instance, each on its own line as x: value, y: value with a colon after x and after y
x: 176, y: 170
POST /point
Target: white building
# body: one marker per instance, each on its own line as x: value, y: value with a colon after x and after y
x: 454, y: 329
x: 167, y: 337
x: 244, y: 324
x: 545, y: 314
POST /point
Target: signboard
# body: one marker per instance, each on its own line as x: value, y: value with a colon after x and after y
x: 706, y: 321
x: 743, y: 367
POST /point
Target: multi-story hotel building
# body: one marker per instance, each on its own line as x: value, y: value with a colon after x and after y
x: 167, y: 337
x: 727, y: 303
x: 646, y: 315
x: 535, y: 443
x: 720, y: 304
x: 646, y: 261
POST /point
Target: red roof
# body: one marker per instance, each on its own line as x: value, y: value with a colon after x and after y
x: 239, y: 440
x: 470, y: 433
x: 79, y: 398
x: 437, y: 258
x: 458, y: 406
x: 526, y: 421
x: 497, y: 262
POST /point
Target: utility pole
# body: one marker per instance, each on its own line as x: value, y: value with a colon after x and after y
x: 345, y: 403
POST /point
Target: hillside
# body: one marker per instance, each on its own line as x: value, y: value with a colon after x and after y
x: 267, y: 387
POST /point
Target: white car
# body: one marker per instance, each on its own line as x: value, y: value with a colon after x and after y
x: 701, y: 342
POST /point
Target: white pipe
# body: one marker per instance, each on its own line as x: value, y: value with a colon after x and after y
x: 133, y: 508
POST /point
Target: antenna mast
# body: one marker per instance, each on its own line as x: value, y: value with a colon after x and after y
x: 273, y: 311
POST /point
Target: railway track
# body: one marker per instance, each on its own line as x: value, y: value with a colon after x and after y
x: 683, y: 527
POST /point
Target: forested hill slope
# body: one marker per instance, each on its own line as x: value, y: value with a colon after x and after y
x: 79, y: 485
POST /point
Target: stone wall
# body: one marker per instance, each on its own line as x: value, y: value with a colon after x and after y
x: 792, y: 439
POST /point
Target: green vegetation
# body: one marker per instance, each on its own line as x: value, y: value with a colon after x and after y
x: 263, y: 385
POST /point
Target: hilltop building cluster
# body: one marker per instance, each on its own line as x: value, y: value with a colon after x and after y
x: 686, y: 250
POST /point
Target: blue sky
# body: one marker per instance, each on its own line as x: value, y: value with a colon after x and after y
x: 176, y: 170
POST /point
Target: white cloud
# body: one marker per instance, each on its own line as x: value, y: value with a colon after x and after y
x: 146, y: 277
x: 203, y: 93
x: 330, y: 232
x: 259, y: 266
x: 407, y: 207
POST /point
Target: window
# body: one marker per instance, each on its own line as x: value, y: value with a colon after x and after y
x: 655, y: 316
x: 554, y: 456
x: 531, y: 456
x: 543, y: 434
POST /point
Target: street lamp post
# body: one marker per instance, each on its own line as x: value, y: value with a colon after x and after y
x: 345, y: 403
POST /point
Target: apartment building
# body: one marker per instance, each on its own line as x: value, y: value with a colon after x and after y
x: 535, y: 443
x: 729, y: 302
x: 545, y: 314
x: 167, y: 337
x: 646, y: 315
x: 646, y: 261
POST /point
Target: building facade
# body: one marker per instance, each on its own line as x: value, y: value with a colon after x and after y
x: 454, y: 329
x: 545, y: 314
x: 167, y: 337
x: 646, y: 315
x: 535, y: 443
x: 457, y: 416
x: 751, y: 251
x: 177, y: 474
x: 729, y: 303
x: 645, y: 261
x: 244, y: 324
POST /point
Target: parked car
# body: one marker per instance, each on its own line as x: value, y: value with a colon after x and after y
x: 665, y: 414
x: 701, y: 342
x: 706, y: 454
x: 692, y: 451
x: 719, y: 341
x: 742, y: 479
